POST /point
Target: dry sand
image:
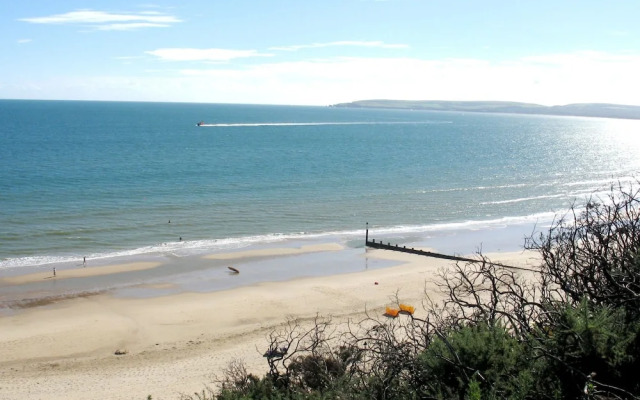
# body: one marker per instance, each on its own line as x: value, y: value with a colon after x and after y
x: 174, y: 344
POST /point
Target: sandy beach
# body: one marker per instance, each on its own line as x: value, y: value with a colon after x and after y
x: 175, y: 343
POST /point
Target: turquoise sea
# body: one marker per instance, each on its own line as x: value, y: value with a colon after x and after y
x: 112, y: 179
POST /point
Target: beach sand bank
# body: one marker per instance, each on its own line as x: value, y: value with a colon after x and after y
x: 78, y: 273
x: 280, y: 251
x: 174, y: 344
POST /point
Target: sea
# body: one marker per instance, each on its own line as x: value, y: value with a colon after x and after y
x: 106, y: 180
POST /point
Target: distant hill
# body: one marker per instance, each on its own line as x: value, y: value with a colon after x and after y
x: 579, y: 110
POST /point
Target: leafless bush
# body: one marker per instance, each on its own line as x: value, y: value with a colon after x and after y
x: 593, y: 252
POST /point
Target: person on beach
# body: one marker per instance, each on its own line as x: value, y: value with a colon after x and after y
x: 54, y: 271
x: 84, y: 261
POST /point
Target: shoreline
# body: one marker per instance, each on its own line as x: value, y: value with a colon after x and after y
x: 174, y: 343
x: 418, y: 235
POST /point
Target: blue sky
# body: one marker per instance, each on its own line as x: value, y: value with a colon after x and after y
x: 321, y: 52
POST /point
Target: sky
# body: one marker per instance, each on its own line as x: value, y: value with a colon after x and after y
x: 304, y: 52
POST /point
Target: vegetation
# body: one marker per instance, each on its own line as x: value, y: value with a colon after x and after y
x: 569, y: 329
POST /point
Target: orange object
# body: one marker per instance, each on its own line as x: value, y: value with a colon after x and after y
x: 392, y: 312
x: 407, y: 308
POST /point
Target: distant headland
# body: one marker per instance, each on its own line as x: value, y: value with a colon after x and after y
x: 600, y: 110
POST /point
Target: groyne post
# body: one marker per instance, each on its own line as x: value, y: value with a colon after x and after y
x: 366, y: 237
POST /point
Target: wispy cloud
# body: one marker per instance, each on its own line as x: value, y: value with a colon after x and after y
x: 210, y: 55
x: 129, y: 26
x: 22, y: 41
x: 102, y: 20
x: 343, y: 43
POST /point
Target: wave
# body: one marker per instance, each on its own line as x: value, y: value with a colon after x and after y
x: 519, y: 200
x: 605, y: 183
x: 468, y: 189
x: 593, y: 186
x: 538, y: 218
x: 205, y: 246
x: 254, y: 124
x: 576, y: 197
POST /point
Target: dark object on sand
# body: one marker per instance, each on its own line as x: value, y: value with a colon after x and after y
x: 234, y: 270
x: 276, y: 353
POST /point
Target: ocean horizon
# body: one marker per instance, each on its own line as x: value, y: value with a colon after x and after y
x: 105, y: 180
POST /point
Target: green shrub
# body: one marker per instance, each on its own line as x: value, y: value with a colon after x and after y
x: 486, y: 355
x: 588, y: 342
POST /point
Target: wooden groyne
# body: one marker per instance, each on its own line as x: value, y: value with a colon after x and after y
x: 404, y: 249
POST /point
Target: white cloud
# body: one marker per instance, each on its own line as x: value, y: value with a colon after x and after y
x: 580, y: 57
x: 22, y: 41
x: 211, y: 55
x: 376, y: 44
x: 545, y: 79
x: 102, y: 20
x: 576, y: 78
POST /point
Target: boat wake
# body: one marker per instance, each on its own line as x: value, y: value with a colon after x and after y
x: 252, y: 124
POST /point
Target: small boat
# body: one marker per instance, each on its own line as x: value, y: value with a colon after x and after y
x: 201, y: 123
x: 234, y: 270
